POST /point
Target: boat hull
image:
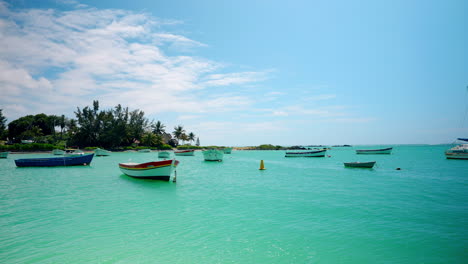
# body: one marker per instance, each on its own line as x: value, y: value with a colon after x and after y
x: 319, y: 153
x: 3, y: 155
x: 456, y: 155
x: 58, y: 152
x: 101, y: 152
x: 185, y: 153
x: 164, y: 155
x: 374, y: 151
x: 155, y: 170
x: 227, y: 150
x: 213, y: 155
x: 82, y: 160
x: 360, y: 164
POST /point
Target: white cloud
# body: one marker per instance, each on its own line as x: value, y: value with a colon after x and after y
x: 115, y: 56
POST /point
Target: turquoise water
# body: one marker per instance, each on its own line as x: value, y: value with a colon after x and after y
x: 298, y: 210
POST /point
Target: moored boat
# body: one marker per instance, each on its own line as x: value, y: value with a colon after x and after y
x: 56, y: 161
x: 58, y: 152
x: 144, y: 150
x: 185, y: 152
x: 101, y: 152
x: 374, y: 151
x: 317, y: 153
x: 73, y: 152
x: 227, y: 150
x: 3, y: 155
x: 164, y: 154
x: 155, y: 170
x: 459, y: 151
x: 213, y: 155
x: 368, y: 164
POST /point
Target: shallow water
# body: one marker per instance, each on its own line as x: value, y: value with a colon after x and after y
x: 298, y: 210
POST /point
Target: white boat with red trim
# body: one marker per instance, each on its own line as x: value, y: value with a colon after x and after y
x: 155, y: 170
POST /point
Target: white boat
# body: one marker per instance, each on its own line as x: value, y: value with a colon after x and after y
x: 213, y: 155
x: 155, y: 170
x: 58, y: 152
x: 3, y: 155
x: 317, y: 153
x: 101, y: 152
x: 459, y: 151
x: 164, y: 154
x: 374, y: 151
x: 227, y: 150
x: 74, y: 152
x: 186, y: 152
x: 144, y: 150
x: 369, y: 164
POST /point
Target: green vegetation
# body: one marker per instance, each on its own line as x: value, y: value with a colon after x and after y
x: 115, y: 129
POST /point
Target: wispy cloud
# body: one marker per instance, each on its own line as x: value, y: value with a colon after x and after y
x: 116, y: 56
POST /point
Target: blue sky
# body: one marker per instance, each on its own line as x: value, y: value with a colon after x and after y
x: 246, y: 72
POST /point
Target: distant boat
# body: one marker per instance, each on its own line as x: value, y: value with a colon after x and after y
x: 155, y: 170
x: 58, y: 152
x: 369, y: 164
x: 227, y: 150
x: 74, y: 152
x: 459, y: 151
x: 57, y: 161
x: 3, y: 155
x: 101, y: 152
x: 317, y: 153
x: 186, y: 152
x: 164, y: 154
x: 374, y: 151
x: 144, y: 150
x: 213, y: 155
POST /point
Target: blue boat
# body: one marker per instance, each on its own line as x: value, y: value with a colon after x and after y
x: 81, y: 160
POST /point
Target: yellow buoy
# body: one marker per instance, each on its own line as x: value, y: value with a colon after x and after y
x: 262, y: 166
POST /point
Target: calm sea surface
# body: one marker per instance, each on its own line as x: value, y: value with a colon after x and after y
x: 299, y: 210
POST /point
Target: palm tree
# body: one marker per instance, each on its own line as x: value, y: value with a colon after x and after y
x: 191, y: 136
x: 178, y: 132
x: 158, y: 128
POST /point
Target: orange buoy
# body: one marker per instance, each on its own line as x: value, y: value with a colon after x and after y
x: 262, y: 166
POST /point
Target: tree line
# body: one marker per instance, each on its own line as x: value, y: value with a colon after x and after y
x: 113, y: 128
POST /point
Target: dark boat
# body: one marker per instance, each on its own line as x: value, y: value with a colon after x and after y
x: 317, y: 153
x: 374, y: 151
x: 81, y: 160
x: 369, y: 164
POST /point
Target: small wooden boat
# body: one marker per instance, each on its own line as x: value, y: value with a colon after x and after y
x: 227, y: 150
x: 58, y: 161
x: 164, y: 155
x: 459, y: 151
x: 3, y: 155
x: 101, y: 152
x: 213, y: 155
x: 155, y: 170
x: 58, y: 152
x: 369, y: 164
x: 186, y: 152
x: 144, y: 150
x: 317, y: 153
x: 374, y: 151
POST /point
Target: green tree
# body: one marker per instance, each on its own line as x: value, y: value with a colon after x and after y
x: 191, y: 137
x: 3, y: 126
x: 159, y: 128
x: 178, y: 132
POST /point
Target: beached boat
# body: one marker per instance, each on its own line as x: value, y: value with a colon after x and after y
x: 101, y: 152
x: 57, y: 161
x: 164, y: 154
x: 317, y: 153
x: 186, y: 152
x: 374, y: 151
x: 369, y: 164
x: 213, y: 155
x: 58, y: 152
x: 3, y: 155
x: 459, y: 151
x: 144, y: 150
x: 156, y: 170
x: 227, y: 150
